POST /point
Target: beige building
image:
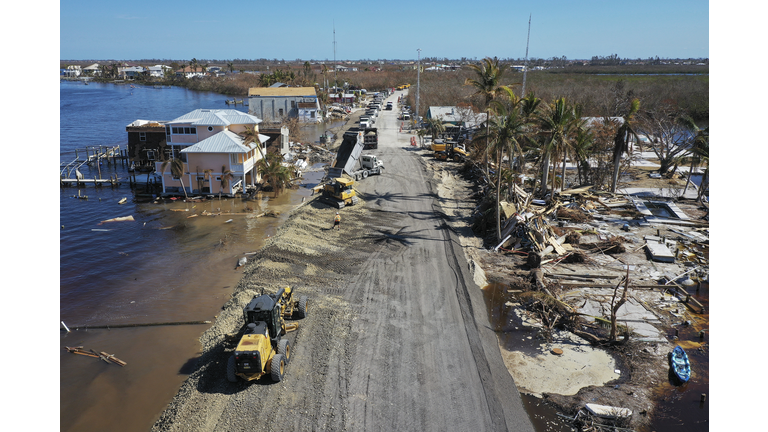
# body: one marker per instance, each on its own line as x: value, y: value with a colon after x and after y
x: 273, y: 104
x: 216, y: 158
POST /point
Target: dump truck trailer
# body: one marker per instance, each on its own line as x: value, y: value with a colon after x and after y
x: 351, y: 161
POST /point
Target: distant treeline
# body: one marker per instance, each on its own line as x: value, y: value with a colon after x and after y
x: 594, y: 88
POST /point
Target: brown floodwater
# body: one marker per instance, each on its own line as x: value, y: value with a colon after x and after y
x: 189, y: 281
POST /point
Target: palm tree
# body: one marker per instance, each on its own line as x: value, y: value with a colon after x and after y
x: 207, y: 173
x: 506, y: 131
x: 582, y: 146
x: 251, y: 135
x: 557, y: 125
x: 435, y: 125
x: 699, y: 145
x: 231, y: 67
x: 487, y: 84
x: 273, y: 172
x: 621, y: 141
x: 193, y: 64
x: 226, y: 177
x: 177, y: 171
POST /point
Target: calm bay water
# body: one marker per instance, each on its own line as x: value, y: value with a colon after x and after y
x: 162, y: 267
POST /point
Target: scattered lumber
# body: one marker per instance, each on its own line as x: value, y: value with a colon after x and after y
x: 107, y: 358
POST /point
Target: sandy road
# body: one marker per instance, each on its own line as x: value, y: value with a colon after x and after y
x: 397, y: 338
x: 433, y: 362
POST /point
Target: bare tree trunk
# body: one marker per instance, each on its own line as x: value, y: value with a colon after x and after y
x: 545, y: 175
x: 615, y: 306
x: 616, y: 164
x: 498, y: 196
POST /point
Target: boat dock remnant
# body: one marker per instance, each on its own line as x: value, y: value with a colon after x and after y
x: 91, y: 156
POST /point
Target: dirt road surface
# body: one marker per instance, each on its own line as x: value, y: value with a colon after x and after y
x: 397, y: 336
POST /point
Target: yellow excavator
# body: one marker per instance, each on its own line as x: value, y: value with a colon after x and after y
x: 262, y: 349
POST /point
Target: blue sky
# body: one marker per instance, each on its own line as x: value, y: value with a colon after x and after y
x: 394, y: 29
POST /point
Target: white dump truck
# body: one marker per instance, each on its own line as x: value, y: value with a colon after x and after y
x: 352, y: 162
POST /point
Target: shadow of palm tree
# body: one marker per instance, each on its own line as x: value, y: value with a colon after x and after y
x: 401, y: 236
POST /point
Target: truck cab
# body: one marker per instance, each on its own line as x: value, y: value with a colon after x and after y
x: 371, y: 162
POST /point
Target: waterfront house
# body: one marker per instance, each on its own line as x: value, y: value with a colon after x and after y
x: 92, y: 70
x: 274, y: 104
x: 158, y: 71
x: 131, y: 72
x: 208, y: 143
x: 188, y: 72
x: 146, y: 143
x: 72, y: 71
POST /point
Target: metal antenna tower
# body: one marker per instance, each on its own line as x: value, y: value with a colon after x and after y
x: 335, y: 80
x: 525, y: 64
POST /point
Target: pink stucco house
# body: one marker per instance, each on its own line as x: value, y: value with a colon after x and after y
x: 207, y: 141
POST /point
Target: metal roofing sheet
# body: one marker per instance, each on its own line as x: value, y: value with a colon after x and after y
x: 216, y: 117
x: 222, y: 142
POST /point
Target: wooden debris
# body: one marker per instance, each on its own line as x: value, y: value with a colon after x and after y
x: 113, y: 359
x: 107, y: 358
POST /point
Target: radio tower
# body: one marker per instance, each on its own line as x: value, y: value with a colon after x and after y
x: 335, y: 81
x: 525, y: 64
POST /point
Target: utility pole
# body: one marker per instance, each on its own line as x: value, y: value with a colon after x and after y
x: 418, y: 82
x: 525, y: 64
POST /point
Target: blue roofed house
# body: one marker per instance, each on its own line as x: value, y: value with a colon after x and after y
x: 208, y: 143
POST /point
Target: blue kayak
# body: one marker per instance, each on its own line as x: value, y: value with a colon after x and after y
x: 678, y: 360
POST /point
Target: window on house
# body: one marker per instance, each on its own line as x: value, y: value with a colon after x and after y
x: 168, y: 133
x: 311, y: 114
x: 151, y: 155
x: 233, y: 158
x: 293, y: 104
x: 280, y: 112
x: 142, y: 136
